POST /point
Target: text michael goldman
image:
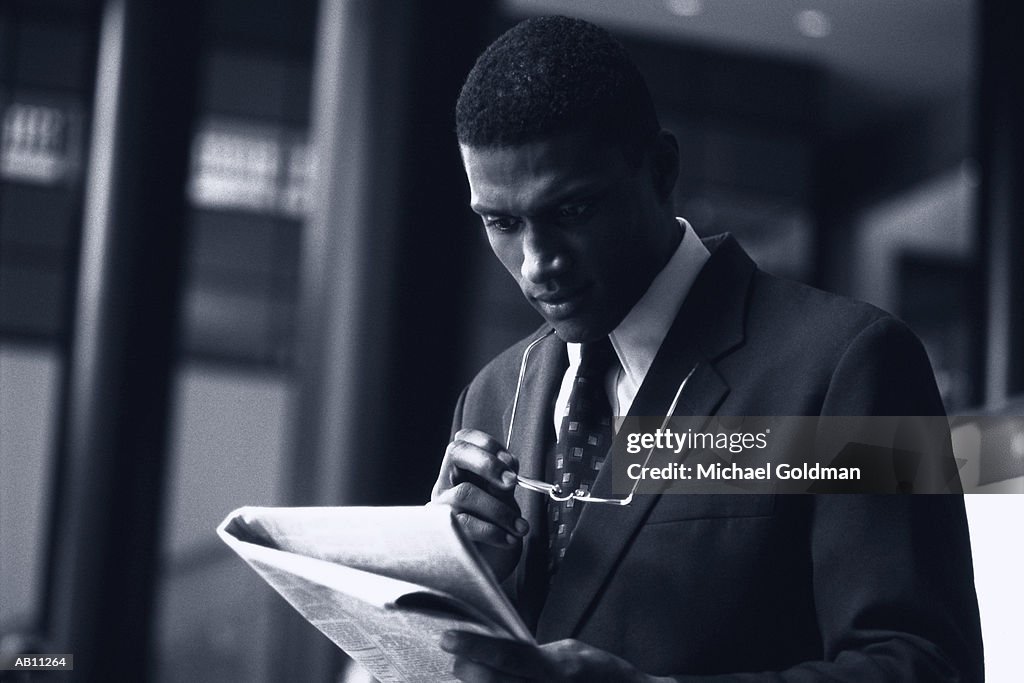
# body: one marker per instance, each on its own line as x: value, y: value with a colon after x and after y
x: 733, y: 472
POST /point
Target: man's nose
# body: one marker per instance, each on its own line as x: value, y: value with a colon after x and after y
x: 544, y: 256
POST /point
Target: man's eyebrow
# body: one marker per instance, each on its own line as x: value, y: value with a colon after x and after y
x: 484, y: 210
x: 580, y: 192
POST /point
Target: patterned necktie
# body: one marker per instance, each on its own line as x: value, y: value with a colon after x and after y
x: 583, y: 441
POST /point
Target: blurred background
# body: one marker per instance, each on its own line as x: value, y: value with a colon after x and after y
x: 237, y: 267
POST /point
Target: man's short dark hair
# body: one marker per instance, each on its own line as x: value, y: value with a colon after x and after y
x: 551, y: 75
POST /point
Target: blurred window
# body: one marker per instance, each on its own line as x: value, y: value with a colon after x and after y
x: 247, y: 190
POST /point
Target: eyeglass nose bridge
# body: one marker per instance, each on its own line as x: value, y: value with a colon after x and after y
x: 554, y: 491
x: 556, y: 494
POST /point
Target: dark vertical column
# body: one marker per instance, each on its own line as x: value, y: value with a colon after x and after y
x: 433, y: 274
x: 1001, y: 205
x: 111, y: 461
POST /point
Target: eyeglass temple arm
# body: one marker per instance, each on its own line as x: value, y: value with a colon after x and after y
x: 519, y: 383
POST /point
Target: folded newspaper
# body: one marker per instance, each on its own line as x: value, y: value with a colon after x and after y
x: 383, y: 583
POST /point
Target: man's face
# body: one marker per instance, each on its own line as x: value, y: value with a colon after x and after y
x: 579, y: 227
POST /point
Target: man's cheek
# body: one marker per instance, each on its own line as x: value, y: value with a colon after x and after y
x: 513, y: 263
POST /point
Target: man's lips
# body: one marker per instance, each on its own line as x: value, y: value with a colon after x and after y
x: 561, y: 304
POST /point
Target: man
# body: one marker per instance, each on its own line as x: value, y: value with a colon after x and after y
x: 572, y: 177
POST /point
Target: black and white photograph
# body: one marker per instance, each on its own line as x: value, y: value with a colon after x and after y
x: 566, y: 341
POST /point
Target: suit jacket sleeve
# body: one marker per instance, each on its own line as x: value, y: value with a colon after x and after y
x: 460, y: 407
x: 893, y: 578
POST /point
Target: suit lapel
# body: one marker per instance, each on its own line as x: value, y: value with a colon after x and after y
x: 709, y: 323
x: 533, y: 431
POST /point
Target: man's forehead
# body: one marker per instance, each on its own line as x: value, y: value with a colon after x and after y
x: 574, y: 147
x: 539, y: 172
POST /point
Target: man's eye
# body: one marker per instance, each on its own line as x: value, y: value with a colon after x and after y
x: 500, y: 223
x: 574, y: 211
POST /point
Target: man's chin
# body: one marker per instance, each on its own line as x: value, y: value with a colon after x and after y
x: 580, y: 326
x: 578, y: 331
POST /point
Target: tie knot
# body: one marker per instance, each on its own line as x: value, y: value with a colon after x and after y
x: 596, y: 357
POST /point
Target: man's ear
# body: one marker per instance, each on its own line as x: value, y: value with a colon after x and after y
x: 665, y: 164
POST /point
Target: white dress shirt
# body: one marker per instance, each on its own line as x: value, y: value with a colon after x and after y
x: 639, y: 336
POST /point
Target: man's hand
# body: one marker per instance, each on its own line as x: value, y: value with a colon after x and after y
x: 477, y: 479
x: 483, y: 659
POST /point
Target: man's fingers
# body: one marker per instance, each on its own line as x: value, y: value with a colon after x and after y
x: 481, y: 439
x: 563, y: 661
x: 483, y: 517
x: 508, y: 657
x: 489, y: 444
x: 482, y: 531
x: 493, y: 468
x: 468, y: 671
x: 479, y: 458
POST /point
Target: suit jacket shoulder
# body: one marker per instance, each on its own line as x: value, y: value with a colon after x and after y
x: 861, y: 360
x: 486, y: 402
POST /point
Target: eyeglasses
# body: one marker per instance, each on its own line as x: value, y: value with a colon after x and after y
x: 555, y: 491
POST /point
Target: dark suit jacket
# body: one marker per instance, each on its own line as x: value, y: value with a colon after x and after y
x: 837, y: 587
